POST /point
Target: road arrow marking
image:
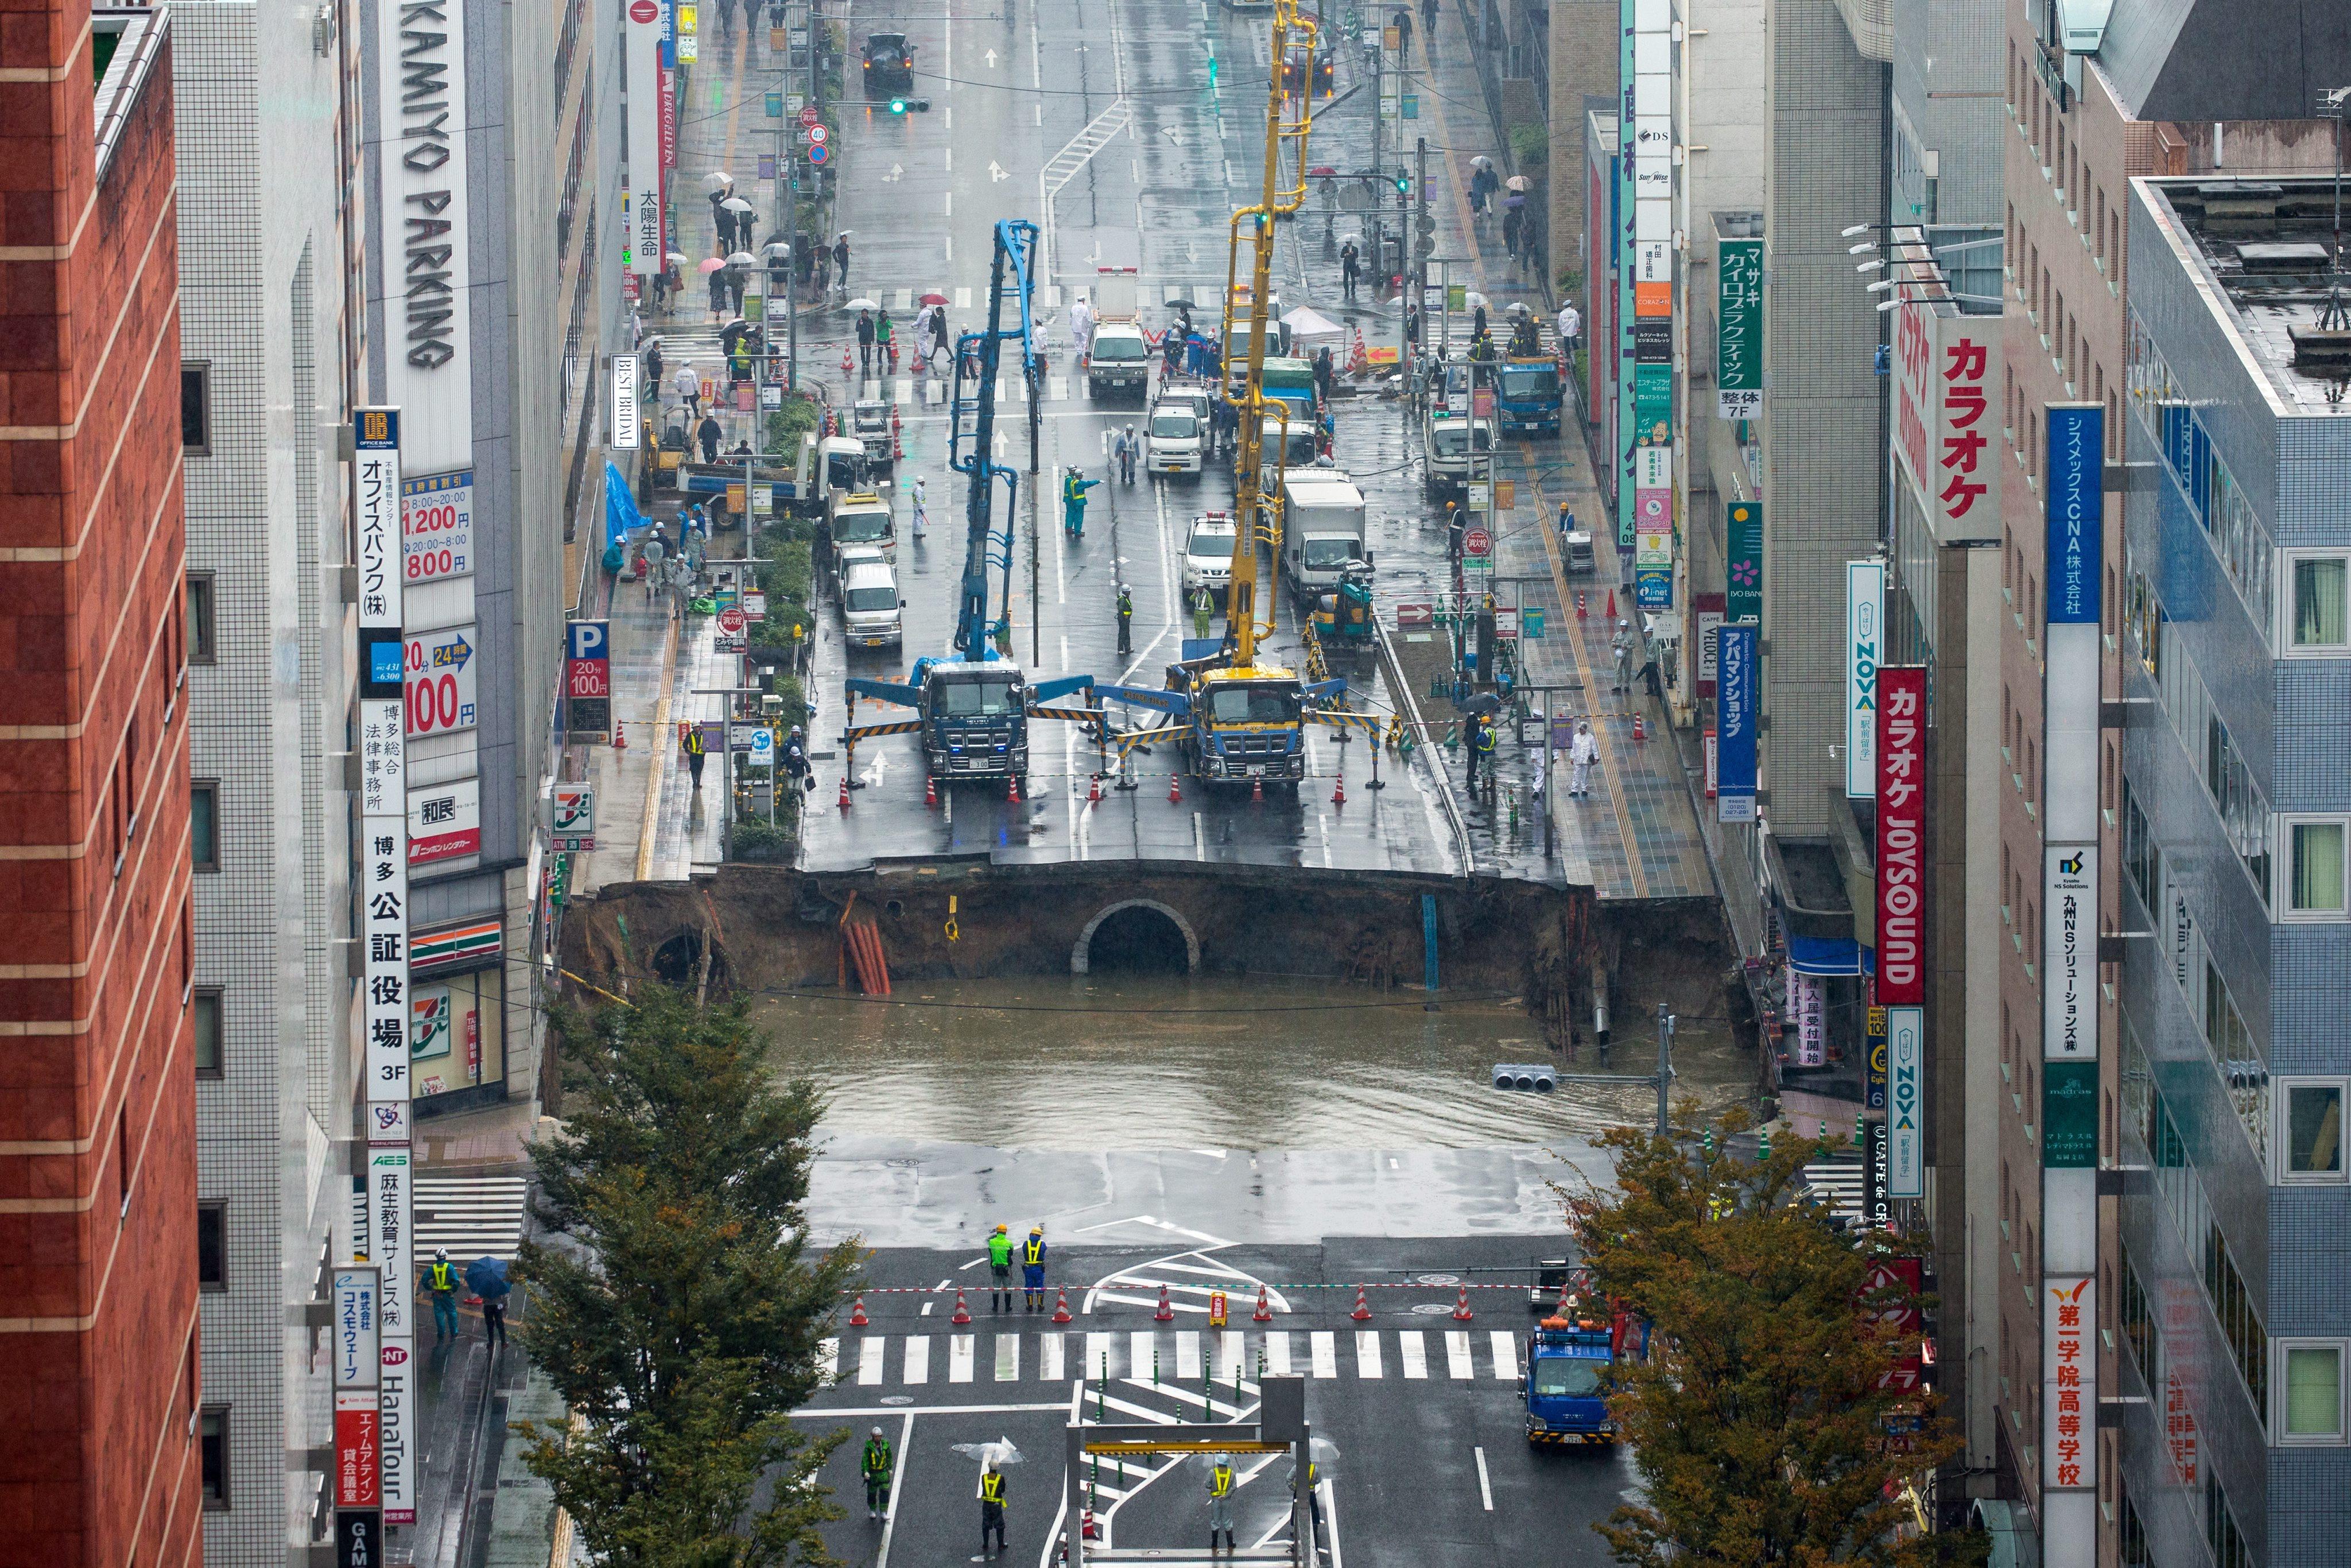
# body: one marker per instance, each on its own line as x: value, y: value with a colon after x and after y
x: 991, y: 59
x: 898, y: 171
x: 997, y: 171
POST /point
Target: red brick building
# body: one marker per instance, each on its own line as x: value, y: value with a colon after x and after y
x: 101, y: 1453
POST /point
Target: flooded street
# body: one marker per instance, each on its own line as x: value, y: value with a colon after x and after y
x: 1082, y: 1064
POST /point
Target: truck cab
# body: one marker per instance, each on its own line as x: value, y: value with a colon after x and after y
x: 869, y: 422
x: 830, y: 465
x: 1249, y: 726
x: 1455, y: 445
x: 1529, y: 394
x: 974, y: 718
x: 863, y: 517
x: 1565, y: 1382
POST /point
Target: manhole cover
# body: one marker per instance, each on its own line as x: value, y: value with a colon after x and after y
x: 1436, y: 1279
x: 897, y: 1399
x: 1432, y: 1310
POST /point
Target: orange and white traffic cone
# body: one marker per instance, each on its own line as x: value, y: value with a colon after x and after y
x: 1640, y: 730
x: 962, y: 1314
x: 857, y: 1317
x: 844, y: 792
x: 620, y: 736
x: 1461, y: 1313
x: 1093, y: 791
x: 1061, y: 1307
x: 930, y: 791
x: 1257, y: 791
x: 1174, y: 795
x: 1264, y: 1313
x: 848, y: 362
x: 1012, y: 788
x: 1362, y: 1312
x: 1166, y: 1313
x: 1612, y: 604
x: 1087, y: 1530
x: 1339, y: 791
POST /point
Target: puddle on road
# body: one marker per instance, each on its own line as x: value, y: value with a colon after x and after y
x: 1123, y: 1061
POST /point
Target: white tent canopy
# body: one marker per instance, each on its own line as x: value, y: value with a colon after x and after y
x: 1309, y: 329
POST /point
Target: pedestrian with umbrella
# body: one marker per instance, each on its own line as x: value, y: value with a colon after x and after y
x: 994, y: 1458
x: 865, y: 332
x: 487, y: 1278
x: 1428, y: 26
x: 719, y: 294
x: 1402, y: 23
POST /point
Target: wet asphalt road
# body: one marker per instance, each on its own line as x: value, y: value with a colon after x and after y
x: 1096, y: 123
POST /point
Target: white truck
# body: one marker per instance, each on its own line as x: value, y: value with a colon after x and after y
x: 1176, y: 435
x: 1119, y: 359
x: 870, y: 609
x: 1321, y: 531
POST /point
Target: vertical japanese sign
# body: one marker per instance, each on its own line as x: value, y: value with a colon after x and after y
x: 1808, y: 1010
x: 627, y: 418
x: 1902, y: 836
x: 1646, y: 187
x: 1864, y: 627
x: 1735, y: 710
x: 383, y: 917
x: 1962, y: 367
x: 2074, y: 544
x: 1739, y: 327
x: 1906, y: 1114
x: 1744, y: 563
x: 640, y: 28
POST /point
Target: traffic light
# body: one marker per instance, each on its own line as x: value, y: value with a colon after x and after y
x: 1403, y: 184
x: 913, y: 105
x: 1525, y: 1078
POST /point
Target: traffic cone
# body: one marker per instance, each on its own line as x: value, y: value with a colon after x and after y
x: 1012, y: 788
x: 1175, y: 795
x: 1461, y: 1313
x: 1339, y: 791
x: 897, y: 447
x: 620, y: 736
x: 1612, y: 604
x: 1640, y: 730
x: 1359, y: 358
x: 1264, y: 1313
x: 1362, y: 1312
x: 848, y: 361
x: 1257, y: 791
x: 844, y: 792
x: 1087, y: 1530
x: 857, y: 1317
x: 1061, y: 1307
x: 1093, y: 791
x: 1582, y: 601
x: 962, y: 1315
x: 1166, y: 1311
x: 895, y: 423
x: 930, y: 791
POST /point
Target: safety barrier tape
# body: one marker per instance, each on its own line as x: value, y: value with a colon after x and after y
x: 1238, y: 1287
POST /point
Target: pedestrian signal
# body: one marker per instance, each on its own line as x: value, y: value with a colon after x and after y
x: 1525, y: 1078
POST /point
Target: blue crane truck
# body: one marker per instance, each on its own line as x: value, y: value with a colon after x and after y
x: 1530, y: 396
x: 1565, y: 1382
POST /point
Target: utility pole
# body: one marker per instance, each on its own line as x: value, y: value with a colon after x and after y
x: 1665, y: 1066
x: 787, y: 175
x: 1416, y: 236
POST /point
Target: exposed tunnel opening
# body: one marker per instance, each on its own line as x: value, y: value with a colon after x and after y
x: 1138, y: 939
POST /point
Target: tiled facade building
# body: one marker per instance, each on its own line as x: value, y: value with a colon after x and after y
x: 105, y: 1454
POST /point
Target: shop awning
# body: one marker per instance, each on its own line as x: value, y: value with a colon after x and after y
x: 1829, y: 956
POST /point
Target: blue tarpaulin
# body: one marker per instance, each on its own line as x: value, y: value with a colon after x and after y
x: 621, y: 514
x: 1829, y: 956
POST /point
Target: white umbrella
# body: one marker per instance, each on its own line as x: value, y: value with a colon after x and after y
x: 742, y: 258
x: 1475, y: 299
x: 998, y: 1453
x: 737, y: 204
x: 674, y: 260
x: 775, y: 247
x: 1482, y: 161
x: 860, y: 303
x: 717, y: 180
x: 1518, y: 183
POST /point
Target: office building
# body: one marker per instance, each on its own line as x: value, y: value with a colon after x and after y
x: 108, y: 1452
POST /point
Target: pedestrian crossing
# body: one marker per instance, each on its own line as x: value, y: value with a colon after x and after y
x: 472, y: 1215
x: 1170, y: 1361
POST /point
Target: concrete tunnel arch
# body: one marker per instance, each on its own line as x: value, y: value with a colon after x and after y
x: 1082, y: 953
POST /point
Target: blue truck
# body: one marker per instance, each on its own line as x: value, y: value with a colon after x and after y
x: 1531, y: 394
x: 1564, y: 1384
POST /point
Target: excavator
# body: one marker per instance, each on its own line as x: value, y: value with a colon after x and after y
x: 1231, y: 717
x: 973, y: 702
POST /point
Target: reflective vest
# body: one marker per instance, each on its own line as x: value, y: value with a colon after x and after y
x: 1486, y: 738
x: 999, y: 1250
x: 991, y: 1487
x: 1125, y: 604
x: 1032, y: 1251
x: 1073, y: 489
x: 693, y: 740
x: 443, y: 1277
x: 1221, y: 1480
x: 877, y: 1457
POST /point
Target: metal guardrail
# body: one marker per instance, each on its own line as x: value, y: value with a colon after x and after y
x: 1410, y: 705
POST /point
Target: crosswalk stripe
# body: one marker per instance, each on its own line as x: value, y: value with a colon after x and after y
x: 1232, y: 1353
x: 828, y: 1360
x: 1277, y: 1352
x: 1187, y: 1356
x: 1505, y: 1354
x: 959, y: 1357
x: 1058, y: 387
x: 918, y: 1358
x: 1008, y: 1357
x: 869, y: 1361
x: 1048, y: 1358
x: 1116, y: 1299
x: 1412, y: 1354
x: 1322, y: 1346
x: 1142, y: 1354
x: 1367, y: 1353
x: 906, y: 299
x: 963, y: 299
x: 1098, y: 1350
x: 1456, y: 1353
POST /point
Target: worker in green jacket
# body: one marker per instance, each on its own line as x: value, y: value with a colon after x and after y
x: 1000, y: 1268
x: 876, y: 1466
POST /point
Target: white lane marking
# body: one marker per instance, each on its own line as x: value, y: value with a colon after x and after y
x: 1322, y: 826
x: 897, y: 1490
x: 1140, y: 1412
x: 1485, y: 1486
x: 959, y: 1357
x: 948, y: 198
x: 1368, y: 1352
x: 1187, y: 1356
x: 918, y: 1358
x: 828, y: 1359
x: 1506, y: 1355
x: 1459, y: 1360
x: 1330, y: 1523
x: 1007, y: 1358
x: 1199, y: 844
x: 1232, y: 1351
x: 1115, y: 1299
x: 1142, y: 1354
x: 869, y: 1361
x: 1277, y: 1352
x: 1412, y: 1352
x: 926, y: 1308
x: 1049, y: 1349
x: 1097, y: 1353
x: 1322, y: 1346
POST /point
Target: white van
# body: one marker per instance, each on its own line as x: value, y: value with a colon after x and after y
x: 1208, y: 556
x: 870, y: 609
x: 1173, y: 442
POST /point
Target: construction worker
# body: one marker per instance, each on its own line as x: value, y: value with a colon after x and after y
x: 1582, y: 751
x: 999, y: 1268
x: 1032, y: 1270
x: 1125, y: 619
x: 1313, y: 1503
x: 694, y: 753
x: 1455, y: 532
x: 991, y: 1507
x: 1623, y: 643
x: 1074, y: 485
x: 1203, y: 605
x: 1481, y: 750
x: 1221, y: 1503
x: 441, y: 1280
x: 876, y: 1466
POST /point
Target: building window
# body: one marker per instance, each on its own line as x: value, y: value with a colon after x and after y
x: 2310, y: 1391
x: 212, y: 1432
x: 2310, y: 1138
x: 204, y: 823
x: 206, y: 1003
x: 200, y: 618
x: 2314, y: 867
x: 211, y: 1246
x: 2322, y: 604
x: 197, y: 406
x: 2241, y: 1325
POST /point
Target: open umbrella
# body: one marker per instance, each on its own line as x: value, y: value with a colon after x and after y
x: 860, y: 303
x: 1474, y: 301
x: 1515, y: 200
x: 998, y: 1453
x: 737, y: 204
x: 1518, y: 183
x: 717, y: 180
x: 674, y: 260
x: 932, y: 298
x: 775, y: 247
x: 1482, y: 161
x: 487, y: 1278
x: 1182, y: 303
x: 1484, y: 701
x: 1516, y: 307
x: 742, y: 258
x: 710, y: 263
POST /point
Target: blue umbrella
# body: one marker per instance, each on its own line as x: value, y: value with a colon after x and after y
x: 487, y: 1278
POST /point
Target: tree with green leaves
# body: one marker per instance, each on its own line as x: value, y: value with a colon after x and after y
x: 1762, y: 1424
x: 677, y: 1304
